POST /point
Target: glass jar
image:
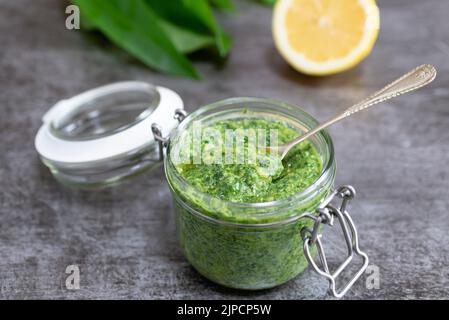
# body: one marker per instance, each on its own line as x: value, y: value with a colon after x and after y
x: 248, y: 245
x: 103, y: 136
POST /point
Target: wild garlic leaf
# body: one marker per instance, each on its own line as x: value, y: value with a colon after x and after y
x: 268, y: 2
x: 194, y: 15
x: 133, y: 26
x: 185, y: 40
x: 223, y: 4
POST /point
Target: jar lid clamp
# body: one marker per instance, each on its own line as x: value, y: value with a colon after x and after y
x: 180, y: 115
x: 325, y: 215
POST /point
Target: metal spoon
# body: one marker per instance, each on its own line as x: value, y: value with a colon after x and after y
x: 417, y: 78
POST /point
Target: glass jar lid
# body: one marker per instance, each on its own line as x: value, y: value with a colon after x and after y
x: 103, y: 135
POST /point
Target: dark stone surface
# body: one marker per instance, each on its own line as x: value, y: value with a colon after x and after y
x: 123, y: 239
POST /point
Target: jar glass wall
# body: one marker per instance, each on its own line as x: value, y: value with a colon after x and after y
x: 247, y: 245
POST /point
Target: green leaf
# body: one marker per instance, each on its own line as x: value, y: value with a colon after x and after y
x: 194, y: 15
x: 204, y: 12
x: 223, y: 4
x: 186, y: 41
x: 136, y: 28
x: 86, y: 24
x: 267, y: 2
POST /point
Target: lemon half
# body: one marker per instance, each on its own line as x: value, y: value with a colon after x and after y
x: 322, y: 37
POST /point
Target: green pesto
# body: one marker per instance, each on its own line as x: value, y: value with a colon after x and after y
x: 239, y: 257
x: 235, y: 255
x: 250, y: 182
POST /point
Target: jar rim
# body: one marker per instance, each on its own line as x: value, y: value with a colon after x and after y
x: 325, y: 180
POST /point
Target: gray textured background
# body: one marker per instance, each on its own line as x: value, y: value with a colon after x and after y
x: 123, y: 239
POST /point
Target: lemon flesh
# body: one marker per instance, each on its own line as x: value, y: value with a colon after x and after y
x: 321, y: 37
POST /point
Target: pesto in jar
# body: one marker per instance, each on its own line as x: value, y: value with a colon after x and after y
x: 215, y: 202
x: 245, y: 182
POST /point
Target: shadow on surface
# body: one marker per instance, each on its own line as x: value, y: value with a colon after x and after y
x: 280, y: 67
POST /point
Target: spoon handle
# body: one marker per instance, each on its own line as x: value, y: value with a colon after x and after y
x: 415, y: 79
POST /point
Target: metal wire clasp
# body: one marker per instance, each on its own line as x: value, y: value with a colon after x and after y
x: 325, y: 215
x: 180, y: 115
